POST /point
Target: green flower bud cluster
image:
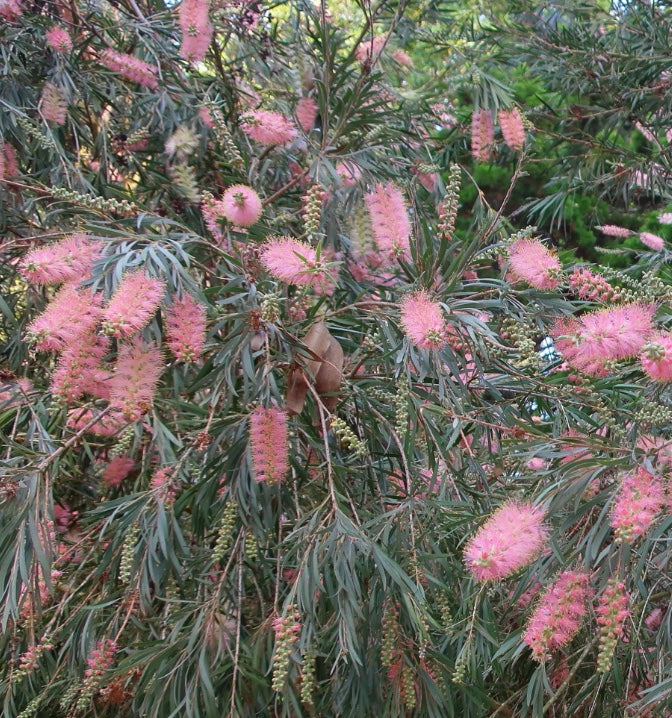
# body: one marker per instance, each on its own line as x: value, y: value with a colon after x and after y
x: 124, y: 442
x: 128, y: 554
x: 308, y: 681
x: 251, y: 546
x: 449, y: 205
x: 286, y: 629
x: 270, y: 308
x: 312, y: 209
x: 653, y: 414
x: 521, y: 336
x: 408, y: 687
x: 32, y: 707
x: 226, y: 526
x: 401, y: 414
x: 388, y: 648
x: 611, y: 615
x: 349, y: 440
x: 86, y: 200
x: 460, y: 670
x: 46, y: 141
x: 224, y: 138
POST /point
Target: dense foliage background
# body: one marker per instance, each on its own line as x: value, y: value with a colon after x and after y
x: 300, y: 417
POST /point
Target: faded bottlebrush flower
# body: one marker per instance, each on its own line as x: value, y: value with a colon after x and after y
x: 58, y: 39
x: 131, y: 68
x: 592, y: 287
x: 513, y: 130
x: 186, y: 328
x: 612, y: 612
x: 638, y: 503
x: 196, y: 29
x: 72, y: 312
x: 532, y: 262
x: 133, y: 385
x: 509, y: 540
x: 80, y: 371
x: 268, y: 443
x: 652, y: 241
x: 306, y: 112
x: 133, y: 304
x: 665, y: 218
x: 68, y: 260
x: 482, y: 135
x: 268, y: 128
x: 294, y: 262
x: 118, y: 468
x: 423, y: 321
x: 182, y: 142
x: 10, y: 164
x: 612, y: 230
x: 390, y: 224
x: 558, y: 615
x: 609, y: 334
x: 240, y: 205
x: 53, y: 106
x: 656, y: 358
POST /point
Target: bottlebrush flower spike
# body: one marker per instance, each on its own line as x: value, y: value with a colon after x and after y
x: 240, y: 205
x: 513, y: 130
x: 196, y: 29
x: 10, y: 10
x: 592, y: 287
x: 99, y: 424
x: 11, y: 166
x: 59, y: 40
x: 482, y: 135
x: 665, y: 218
x: 117, y: 470
x: 268, y: 442
x: 294, y: 262
x: 163, y: 486
x: 186, y: 328
x: 72, y: 313
x: 638, y: 503
x: 509, y: 540
x: 132, y: 305
x: 656, y: 359
x: 423, y: 321
x: 133, y: 385
x: 80, y: 369
x: 557, y: 618
x: 306, y: 113
x: 68, y: 260
x: 532, y: 262
x: 652, y: 241
x: 609, y: 334
x: 612, y: 612
x: 131, y: 68
x: 369, y: 49
x: 53, y: 106
x: 390, y: 223
x: 268, y: 128
x: 613, y: 230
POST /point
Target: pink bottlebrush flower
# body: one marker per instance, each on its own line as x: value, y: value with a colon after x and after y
x: 513, y: 130
x: 536, y: 463
x: 612, y: 230
x: 269, y: 444
x: 186, y: 328
x: 369, y: 49
x: 240, y: 205
x: 10, y: 10
x: 295, y: 262
x: 610, y: 334
x: 98, y: 662
x: 592, y: 287
x: 509, y: 540
x: 531, y: 262
x: 557, y: 618
x: 423, y: 321
x: 612, y: 612
x: 306, y: 112
x: 654, y: 619
x: 163, y: 485
x: 656, y: 359
x: 652, y: 241
x: 211, y: 213
x: 665, y: 218
x: 72, y: 313
x: 429, y: 180
x: 67, y: 260
x: 79, y: 370
x: 130, y: 68
x: 58, y: 39
x: 206, y: 117
x: 390, y: 224
x: 118, y: 468
x: 133, y: 304
x: 133, y: 385
x: 53, y: 106
x: 638, y: 503
x: 104, y: 425
x: 403, y: 58
x: 349, y: 173
x: 11, y: 166
x: 196, y: 29
x: 482, y: 135
x: 645, y: 131
x: 268, y: 128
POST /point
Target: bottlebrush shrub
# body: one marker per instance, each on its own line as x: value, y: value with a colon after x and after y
x: 370, y: 456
